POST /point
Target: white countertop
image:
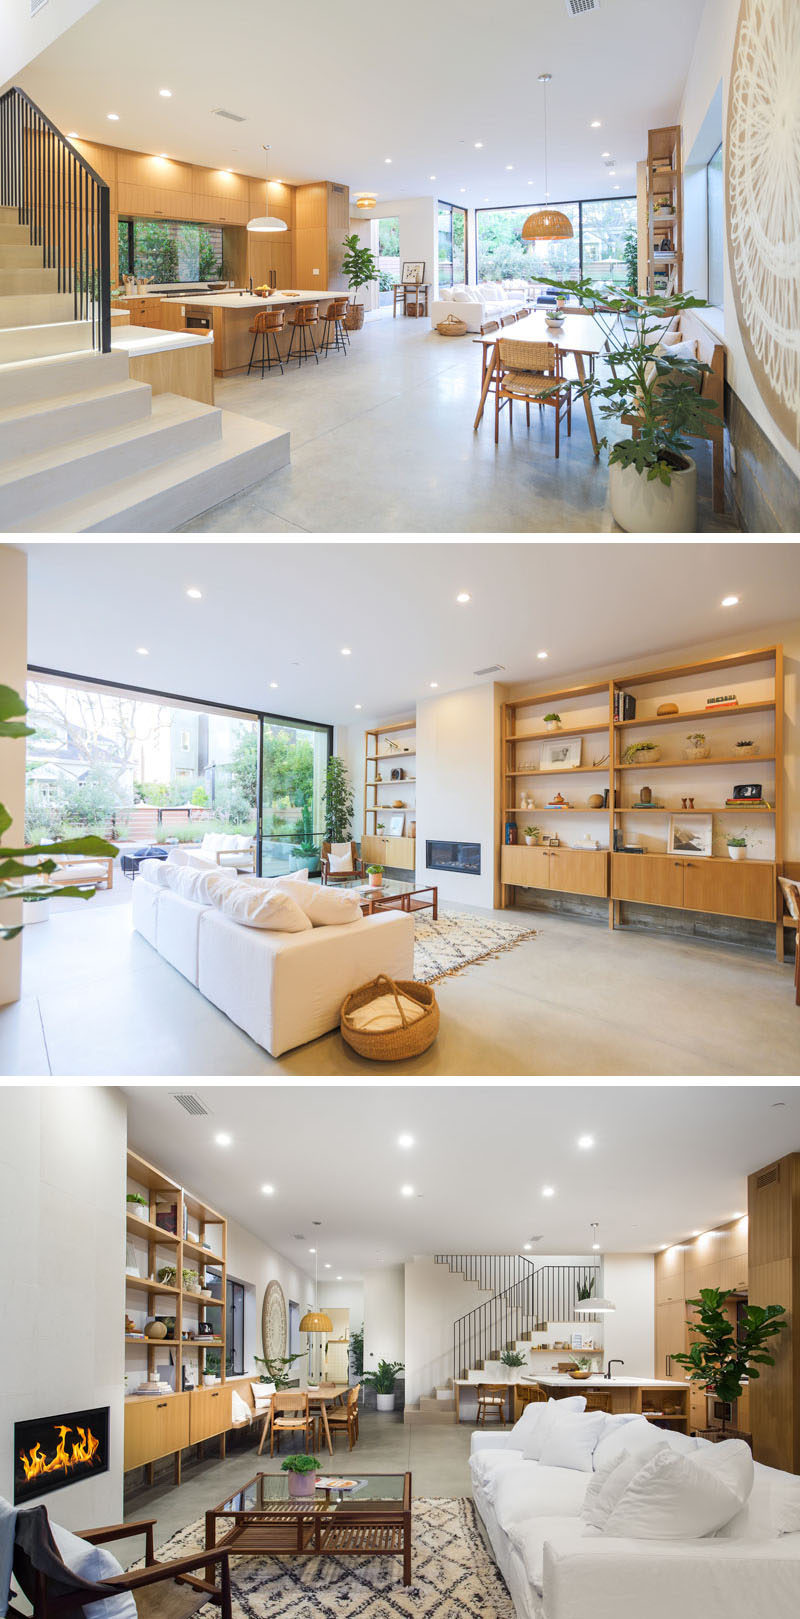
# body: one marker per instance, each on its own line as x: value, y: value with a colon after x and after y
x: 248, y: 300
x: 562, y: 1380
x: 138, y: 340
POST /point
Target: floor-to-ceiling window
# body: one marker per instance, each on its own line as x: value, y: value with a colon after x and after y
x: 716, y: 228
x: 294, y: 759
x: 597, y: 247
x: 388, y: 258
x: 452, y: 239
x: 607, y: 226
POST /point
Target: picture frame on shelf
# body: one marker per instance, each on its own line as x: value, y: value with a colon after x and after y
x: 561, y: 755
x: 690, y: 834
x: 396, y: 826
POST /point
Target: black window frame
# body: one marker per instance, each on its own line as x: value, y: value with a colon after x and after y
x: 571, y: 202
x: 717, y: 152
x: 130, y: 221
x: 234, y: 1326
x: 455, y: 207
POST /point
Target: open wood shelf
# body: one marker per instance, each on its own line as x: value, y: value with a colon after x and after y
x: 556, y: 809
x: 697, y: 714
x: 148, y: 1286
x: 576, y: 770
x: 692, y: 764
x: 146, y: 1228
x: 699, y: 809
x: 563, y: 730
x: 381, y: 848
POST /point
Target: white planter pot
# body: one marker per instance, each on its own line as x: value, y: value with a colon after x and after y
x: 385, y: 1401
x: 552, y: 725
x: 139, y: 1210
x: 736, y: 851
x: 642, y: 506
x: 530, y: 841
x: 35, y: 910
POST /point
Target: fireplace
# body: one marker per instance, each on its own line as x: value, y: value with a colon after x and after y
x: 50, y: 1452
x: 463, y: 857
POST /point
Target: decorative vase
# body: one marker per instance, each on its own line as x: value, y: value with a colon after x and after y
x: 155, y: 1329
x: 529, y: 841
x: 645, y: 795
x: 748, y: 752
x: 385, y: 1401
x: 647, y: 756
x: 376, y: 879
x: 595, y: 801
x: 140, y: 1210
x: 302, y: 1484
x: 644, y: 506
x: 736, y: 851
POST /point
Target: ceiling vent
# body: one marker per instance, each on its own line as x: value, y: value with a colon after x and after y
x: 491, y: 669
x: 298, y: 1236
x: 189, y: 1102
x: 768, y: 1177
x: 37, y: 5
x: 222, y: 112
x: 578, y: 8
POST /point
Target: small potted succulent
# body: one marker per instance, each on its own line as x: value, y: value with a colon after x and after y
x: 641, y: 753
x: 696, y: 746
x: 138, y: 1205
x: 736, y: 847
x: 552, y: 722
x: 746, y: 749
x: 303, y: 1472
x: 375, y: 874
x: 191, y: 1281
x: 532, y: 834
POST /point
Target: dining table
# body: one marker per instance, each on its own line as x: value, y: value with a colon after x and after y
x: 579, y: 335
x: 319, y: 1399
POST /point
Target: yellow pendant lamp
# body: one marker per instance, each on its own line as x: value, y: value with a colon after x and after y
x: 366, y: 199
x: 547, y: 224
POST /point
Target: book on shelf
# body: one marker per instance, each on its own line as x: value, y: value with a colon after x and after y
x: 624, y: 706
x: 167, y: 1217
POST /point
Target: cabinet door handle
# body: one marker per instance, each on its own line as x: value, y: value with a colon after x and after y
x: 215, y: 1396
x: 668, y: 1365
x: 162, y: 1405
x: 677, y: 862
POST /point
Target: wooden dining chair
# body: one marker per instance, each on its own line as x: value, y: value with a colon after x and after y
x: 790, y: 889
x: 491, y: 1397
x: 290, y: 1413
x: 532, y: 371
x: 344, y: 1418
x: 507, y: 320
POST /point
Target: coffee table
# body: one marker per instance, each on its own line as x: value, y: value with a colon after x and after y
x: 395, y: 895
x: 372, y: 1521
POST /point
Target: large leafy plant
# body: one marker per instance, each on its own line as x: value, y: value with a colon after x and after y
x: 338, y: 801
x: 384, y: 1379
x: 277, y: 1369
x: 358, y: 264
x: 634, y: 380
x: 723, y: 1355
x: 36, y: 859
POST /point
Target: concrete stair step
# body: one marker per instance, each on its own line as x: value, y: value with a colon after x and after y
x: 48, y: 423
x: 18, y: 255
x: 34, y: 342
x: 24, y: 278
x: 174, y: 492
x: 429, y: 1402
x: 37, y: 483
x: 12, y: 231
x: 22, y: 382
x: 414, y: 1417
x: 35, y: 308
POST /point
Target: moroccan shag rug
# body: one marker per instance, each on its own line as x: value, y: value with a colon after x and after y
x: 456, y: 940
x: 452, y: 1576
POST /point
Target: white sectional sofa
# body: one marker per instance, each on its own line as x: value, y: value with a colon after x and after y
x: 227, y: 850
x: 559, y: 1565
x: 282, y: 988
x: 475, y: 305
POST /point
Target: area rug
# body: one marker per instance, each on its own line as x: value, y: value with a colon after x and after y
x: 452, y: 1576
x: 457, y: 940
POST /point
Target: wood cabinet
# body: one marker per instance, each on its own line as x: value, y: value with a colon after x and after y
x: 399, y: 853
x: 209, y: 1413
x: 155, y: 1427
x: 745, y: 888
x: 670, y: 1336
x: 570, y: 871
x: 143, y: 311
x: 670, y: 1275
x: 651, y: 879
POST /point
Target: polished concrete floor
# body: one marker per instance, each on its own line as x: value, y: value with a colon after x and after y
x: 382, y: 442
x: 577, y: 999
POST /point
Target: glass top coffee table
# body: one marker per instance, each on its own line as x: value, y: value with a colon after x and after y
x: 350, y: 1514
x: 394, y: 895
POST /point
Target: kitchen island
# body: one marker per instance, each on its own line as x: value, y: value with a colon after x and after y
x: 229, y: 317
x: 664, y: 1401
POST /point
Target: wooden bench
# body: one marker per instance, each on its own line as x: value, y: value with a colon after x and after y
x: 712, y: 353
x: 243, y: 1389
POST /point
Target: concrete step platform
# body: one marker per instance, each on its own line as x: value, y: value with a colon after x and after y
x: 19, y: 255
x: 47, y: 376
x: 35, y: 308
x: 24, y: 278
x: 51, y: 423
x: 35, y: 342
x: 415, y: 1417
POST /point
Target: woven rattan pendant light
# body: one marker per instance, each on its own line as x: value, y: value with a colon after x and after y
x: 316, y: 1320
x: 547, y: 224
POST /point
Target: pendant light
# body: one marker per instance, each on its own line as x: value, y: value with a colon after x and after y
x: 366, y: 199
x: 267, y: 221
x: 316, y: 1320
x: 547, y: 224
x: 599, y: 1306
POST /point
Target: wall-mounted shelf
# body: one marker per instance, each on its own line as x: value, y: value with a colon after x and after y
x: 398, y: 853
x: 664, y: 184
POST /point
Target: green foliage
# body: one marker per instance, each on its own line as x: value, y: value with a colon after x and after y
x: 736, y: 843
x: 199, y: 796
x: 277, y: 1369
x: 136, y: 1197
x: 389, y: 238
x: 386, y: 280
x: 552, y: 719
x: 357, y: 1351
x: 512, y: 1357
x: 358, y: 264
x: 301, y: 1463
x: 338, y: 799
x: 532, y: 832
x: 384, y: 1379
x: 208, y: 259
x: 374, y: 870
x: 630, y: 254
x: 633, y: 750
x: 586, y: 1287
x: 719, y: 1359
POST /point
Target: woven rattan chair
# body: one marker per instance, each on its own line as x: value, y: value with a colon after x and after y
x: 344, y: 1418
x: 304, y: 317
x: 790, y: 888
x: 290, y: 1413
x: 333, y: 317
x: 507, y: 320
x: 265, y: 325
x: 491, y: 1397
x: 532, y: 371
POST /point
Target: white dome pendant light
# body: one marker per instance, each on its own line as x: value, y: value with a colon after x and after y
x: 267, y: 221
x: 595, y: 1306
x: 547, y: 224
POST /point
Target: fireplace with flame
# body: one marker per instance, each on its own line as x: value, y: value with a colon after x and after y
x: 50, y: 1452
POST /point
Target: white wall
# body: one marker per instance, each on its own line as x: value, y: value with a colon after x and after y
x: 344, y: 1296
x: 418, y: 237
x: 13, y: 667
x: 628, y: 1333
x: 22, y: 36
x: 384, y: 1316
x: 456, y: 786
x: 62, y: 1265
x: 252, y: 1262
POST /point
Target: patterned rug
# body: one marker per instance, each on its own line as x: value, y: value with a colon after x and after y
x: 452, y: 1576
x: 457, y: 940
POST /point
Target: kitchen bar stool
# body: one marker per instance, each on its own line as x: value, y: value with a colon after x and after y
x: 305, y: 316
x: 267, y: 322
x: 334, y: 316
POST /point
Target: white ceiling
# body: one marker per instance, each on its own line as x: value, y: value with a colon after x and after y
x: 337, y: 90
x: 282, y: 611
x: 667, y: 1161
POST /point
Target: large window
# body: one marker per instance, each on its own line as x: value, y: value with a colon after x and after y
x: 234, y: 1329
x: 598, y: 247
x: 452, y: 235
x: 293, y: 766
x: 608, y: 240
x: 716, y: 226
x: 388, y: 258
x: 170, y: 250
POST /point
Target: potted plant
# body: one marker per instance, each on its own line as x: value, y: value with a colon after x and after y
x: 641, y: 753
x: 358, y: 268
x: 586, y: 1288
x: 532, y: 834
x: 512, y: 1360
x: 746, y: 749
x: 303, y: 1472
x: 277, y: 1369
x: 381, y: 826
x: 552, y: 722
x: 338, y: 800
x: 138, y: 1205
x: 697, y: 746
x: 383, y: 1382
x: 725, y: 1354
x: 736, y: 847
x: 581, y: 1367
x: 191, y: 1281
x: 375, y: 874
x: 168, y: 1274
x: 652, y: 478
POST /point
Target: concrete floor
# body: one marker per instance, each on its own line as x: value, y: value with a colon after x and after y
x: 576, y: 1000
x: 382, y: 442
x: 436, y: 1456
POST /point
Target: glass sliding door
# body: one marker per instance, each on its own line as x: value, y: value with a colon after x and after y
x: 294, y: 759
x: 606, y: 227
x: 452, y: 238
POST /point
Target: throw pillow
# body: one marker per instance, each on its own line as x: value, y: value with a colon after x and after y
x: 608, y: 1485
x: 531, y: 1443
x: 639, y: 1436
x: 532, y: 1415
x: 155, y: 872
x: 684, y: 1497
x: 324, y: 907
x: 256, y: 908
x: 240, y: 1410
x: 570, y: 1441
x: 262, y: 1396
x: 382, y: 1014
x: 94, y: 1563
x: 340, y: 862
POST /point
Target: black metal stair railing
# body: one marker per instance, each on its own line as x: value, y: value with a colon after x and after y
x: 547, y: 1294
x: 64, y: 204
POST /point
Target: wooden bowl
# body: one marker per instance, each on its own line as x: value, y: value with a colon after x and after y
x: 580, y: 1376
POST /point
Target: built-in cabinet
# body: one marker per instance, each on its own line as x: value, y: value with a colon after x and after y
x: 390, y: 748
x: 717, y: 1258
x: 571, y: 871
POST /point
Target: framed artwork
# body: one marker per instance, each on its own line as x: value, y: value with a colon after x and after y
x: 413, y: 272
x: 396, y: 826
x: 274, y: 1322
x: 689, y: 834
x: 564, y: 755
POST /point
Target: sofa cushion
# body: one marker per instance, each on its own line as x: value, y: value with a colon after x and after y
x: 640, y: 1436
x: 324, y: 907
x: 254, y: 906
x: 155, y: 872
x: 534, y: 1437
x: 94, y: 1563
x: 530, y: 1491
x: 486, y: 1466
x: 771, y: 1509
x: 528, y: 1540
x: 608, y: 1485
x: 570, y: 1441
x: 684, y: 1497
x: 532, y: 1415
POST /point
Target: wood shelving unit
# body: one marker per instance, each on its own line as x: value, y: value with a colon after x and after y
x: 712, y: 884
x: 379, y: 760
x: 664, y: 210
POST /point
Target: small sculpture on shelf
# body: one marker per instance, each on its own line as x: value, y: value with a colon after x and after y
x: 558, y: 803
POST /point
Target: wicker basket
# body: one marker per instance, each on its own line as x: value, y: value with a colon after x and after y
x: 451, y: 326
x: 391, y: 1045
x: 354, y: 319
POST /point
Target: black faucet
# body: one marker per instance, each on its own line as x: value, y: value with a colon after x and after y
x: 609, y: 1366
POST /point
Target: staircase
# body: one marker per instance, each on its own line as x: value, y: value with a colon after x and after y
x: 83, y: 448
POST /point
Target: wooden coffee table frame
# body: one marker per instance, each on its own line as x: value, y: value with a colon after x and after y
x: 371, y: 904
x: 316, y: 1527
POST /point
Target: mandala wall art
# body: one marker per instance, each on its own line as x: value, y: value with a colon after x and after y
x: 763, y: 200
x: 274, y: 1322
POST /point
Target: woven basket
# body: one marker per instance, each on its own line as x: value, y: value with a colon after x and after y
x: 451, y: 326
x: 391, y: 1045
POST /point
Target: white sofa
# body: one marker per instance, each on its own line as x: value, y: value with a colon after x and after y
x: 283, y: 989
x: 557, y: 1566
x: 475, y: 305
x: 228, y: 850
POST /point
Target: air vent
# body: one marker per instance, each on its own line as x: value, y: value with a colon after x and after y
x: 491, y: 669
x: 37, y: 5
x: 189, y: 1102
x: 298, y: 1236
x: 222, y: 112
x: 578, y: 8
x: 768, y: 1177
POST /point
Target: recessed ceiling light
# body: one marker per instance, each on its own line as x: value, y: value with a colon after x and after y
x: 462, y: 189
x: 72, y: 134
x: 326, y: 1266
x: 542, y: 654
x: 616, y: 188
x: 605, y: 154
x: 165, y: 93
x: 595, y: 124
x: 431, y: 176
x: 269, y: 1191
x: 463, y: 596
x: 346, y: 651
x: 509, y: 167
x: 596, y: 1246
x: 194, y: 594
x: 223, y: 1139
x: 433, y: 685
x: 143, y: 651
x: 162, y: 154
x: 586, y: 1142
x: 338, y: 1278
x: 478, y: 145
x: 312, y: 1250
x: 113, y: 117
x: 730, y: 601
x: 530, y: 182
x: 527, y: 1246
x: 697, y: 1233
x: 740, y: 1216
x: 273, y: 685
x: 357, y: 705
x: 406, y: 1191
x: 405, y: 1141
x: 387, y: 160
x: 662, y: 1247
x: 227, y: 171
x: 611, y: 173
x: 548, y: 1191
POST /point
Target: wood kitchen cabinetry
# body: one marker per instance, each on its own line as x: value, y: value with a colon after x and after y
x: 209, y: 1413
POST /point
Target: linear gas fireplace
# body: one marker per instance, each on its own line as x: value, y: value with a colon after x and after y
x: 441, y: 856
x: 50, y: 1452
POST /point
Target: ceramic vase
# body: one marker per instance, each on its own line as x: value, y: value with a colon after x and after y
x: 302, y: 1484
